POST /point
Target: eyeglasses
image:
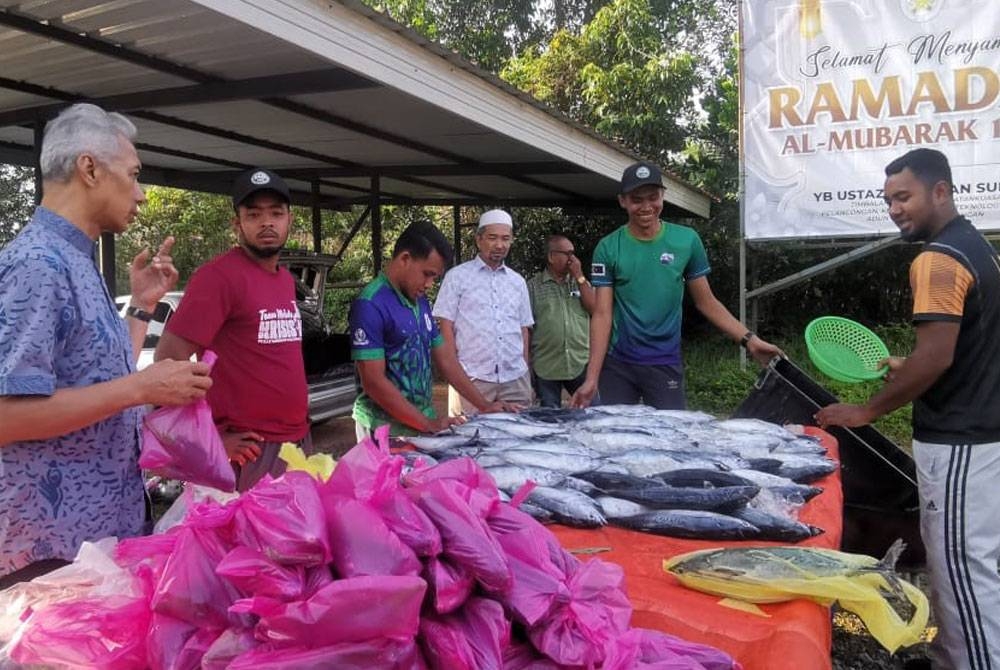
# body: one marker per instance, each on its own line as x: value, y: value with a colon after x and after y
x: 566, y: 253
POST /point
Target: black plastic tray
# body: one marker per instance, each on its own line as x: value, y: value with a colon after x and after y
x: 879, y: 478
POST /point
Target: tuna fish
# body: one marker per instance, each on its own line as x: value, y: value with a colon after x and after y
x: 696, y: 524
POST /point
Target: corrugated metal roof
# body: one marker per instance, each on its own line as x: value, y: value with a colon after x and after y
x: 331, y: 93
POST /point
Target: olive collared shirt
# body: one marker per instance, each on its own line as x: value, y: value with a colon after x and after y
x: 560, y: 339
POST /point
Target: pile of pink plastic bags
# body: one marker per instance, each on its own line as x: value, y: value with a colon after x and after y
x: 373, y: 568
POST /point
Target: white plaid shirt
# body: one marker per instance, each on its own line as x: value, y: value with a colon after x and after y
x: 488, y: 309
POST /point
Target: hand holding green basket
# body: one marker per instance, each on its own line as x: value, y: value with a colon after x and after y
x: 845, y: 350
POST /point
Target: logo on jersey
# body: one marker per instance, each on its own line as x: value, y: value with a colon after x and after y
x: 598, y: 270
x: 427, y: 322
x: 360, y: 338
x: 666, y: 258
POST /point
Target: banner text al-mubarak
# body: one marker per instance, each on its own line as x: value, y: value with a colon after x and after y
x: 835, y: 89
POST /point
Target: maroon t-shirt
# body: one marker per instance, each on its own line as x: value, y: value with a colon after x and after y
x: 249, y: 317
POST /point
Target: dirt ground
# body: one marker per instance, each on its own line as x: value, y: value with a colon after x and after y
x: 853, y: 647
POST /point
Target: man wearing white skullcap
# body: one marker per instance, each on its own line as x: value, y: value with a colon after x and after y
x: 485, y: 313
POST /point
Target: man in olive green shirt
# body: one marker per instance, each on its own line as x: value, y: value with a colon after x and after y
x: 561, y: 301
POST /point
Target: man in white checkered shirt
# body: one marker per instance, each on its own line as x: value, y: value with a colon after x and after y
x: 485, y: 313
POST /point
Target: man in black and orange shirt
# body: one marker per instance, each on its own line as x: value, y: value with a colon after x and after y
x: 953, y: 378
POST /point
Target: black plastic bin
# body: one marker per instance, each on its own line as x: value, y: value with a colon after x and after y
x: 879, y: 479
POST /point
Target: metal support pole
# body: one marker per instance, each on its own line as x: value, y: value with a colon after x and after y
x: 456, y: 217
x: 376, y: 207
x: 317, y: 219
x: 39, y: 133
x: 742, y: 186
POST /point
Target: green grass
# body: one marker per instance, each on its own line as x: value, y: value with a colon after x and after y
x: 716, y: 384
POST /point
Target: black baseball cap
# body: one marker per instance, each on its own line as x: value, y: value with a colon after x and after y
x: 640, y: 174
x: 258, y: 179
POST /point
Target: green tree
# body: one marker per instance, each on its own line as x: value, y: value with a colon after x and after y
x: 17, y: 198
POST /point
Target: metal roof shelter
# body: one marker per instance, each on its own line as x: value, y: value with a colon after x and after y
x: 348, y: 105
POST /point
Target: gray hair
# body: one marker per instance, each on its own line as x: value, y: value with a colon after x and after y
x: 79, y: 129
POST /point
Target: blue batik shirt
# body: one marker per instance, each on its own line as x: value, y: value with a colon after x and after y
x: 59, y: 329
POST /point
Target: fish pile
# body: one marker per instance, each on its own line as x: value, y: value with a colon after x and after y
x: 668, y: 472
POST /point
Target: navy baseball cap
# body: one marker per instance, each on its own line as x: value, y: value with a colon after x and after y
x: 258, y: 179
x: 640, y: 174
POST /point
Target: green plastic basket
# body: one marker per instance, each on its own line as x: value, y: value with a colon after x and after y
x: 845, y: 350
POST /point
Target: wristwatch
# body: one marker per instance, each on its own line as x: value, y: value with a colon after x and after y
x: 745, y: 340
x: 581, y: 280
x: 137, y: 313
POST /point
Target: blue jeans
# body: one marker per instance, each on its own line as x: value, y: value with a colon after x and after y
x: 550, y: 390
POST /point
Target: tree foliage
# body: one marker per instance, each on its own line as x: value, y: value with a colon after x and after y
x: 17, y: 199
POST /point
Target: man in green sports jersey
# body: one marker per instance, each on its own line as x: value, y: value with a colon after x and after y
x: 640, y: 272
x: 395, y: 341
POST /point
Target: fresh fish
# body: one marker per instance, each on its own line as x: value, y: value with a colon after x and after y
x: 756, y: 426
x: 614, y: 442
x: 680, y: 416
x: 512, y: 477
x: 794, y: 493
x: 569, y: 507
x: 643, y: 462
x: 553, y: 415
x: 701, y: 478
x: 611, y: 480
x: 481, y: 431
x: 618, y: 508
x: 806, y: 470
x: 506, y: 428
x: 581, y: 485
x: 432, y: 443
x: 676, y: 497
x: 567, y: 464
x: 775, y: 526
x: 623, y: 410
x: 538, y: 513
x: 687, y: 523
x: 551, y: 445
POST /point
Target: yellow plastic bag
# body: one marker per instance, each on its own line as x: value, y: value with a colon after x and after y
x: 319, y: 466
x: 894, y: 610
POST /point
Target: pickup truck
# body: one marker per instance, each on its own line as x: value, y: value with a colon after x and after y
x: 329, y: 370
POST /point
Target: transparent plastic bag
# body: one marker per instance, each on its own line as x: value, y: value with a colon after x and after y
x: 894, y: 610
x: 106, y: 633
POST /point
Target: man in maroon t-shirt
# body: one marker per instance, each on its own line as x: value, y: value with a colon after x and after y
x: 242, y: 306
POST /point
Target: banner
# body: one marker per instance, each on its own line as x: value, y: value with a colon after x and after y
x: 833, y: 90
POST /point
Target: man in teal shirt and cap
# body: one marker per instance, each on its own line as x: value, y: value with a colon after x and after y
x: 640, y: 272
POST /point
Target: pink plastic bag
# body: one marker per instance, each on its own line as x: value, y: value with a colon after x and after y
x: 253, y: 573
x: 643, y: 649
x: 183, y: 443
x: 408, y: 521
x: 538, y: 585
x: 579, y: 632
x: 479, y: 489
x: 467, y: 539
x: 347, y: 610
x: 189, y: 589
x: 474, y: 638
x: 283, y: 519
x: 362, y: 544
x: 520, y: 656
x: 448, y: 585
x: 177, y: 645
x: 232, y: 643
x: 384, y: 654
x: 104, y: 633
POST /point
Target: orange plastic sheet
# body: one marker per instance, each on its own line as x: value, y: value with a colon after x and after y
x: 795, y: 635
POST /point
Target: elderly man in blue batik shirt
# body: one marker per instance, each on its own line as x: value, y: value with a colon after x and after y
x: 70, y: 397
